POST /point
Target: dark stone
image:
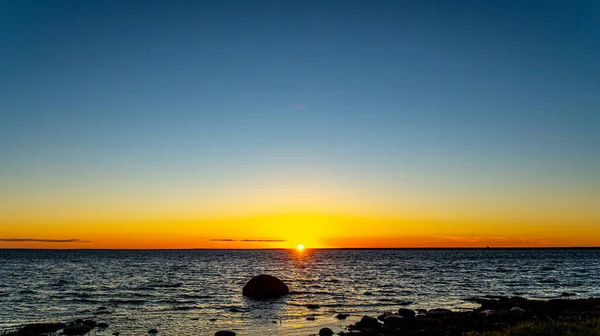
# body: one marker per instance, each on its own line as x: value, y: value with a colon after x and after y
x: 212, y: 319
x: 38, y: 329
x: 90, y: 323
x: 438, y: 312
x: 383, y: 316
x: 393, y: 320
x: 565, y: 294
x: 76, y: 329
x: 225, y: 333
x: 313, y: 306
x: 102, y: 325
x: 310, y: 318
x: 342, y: 316
x: 325, y: 332
x: 116, y: 333
x: 405, y: 312
x: 152, y: 331
x: 404, y: 303
x: 368, y: 321
x: 265, y: 287
x: 102, y: 308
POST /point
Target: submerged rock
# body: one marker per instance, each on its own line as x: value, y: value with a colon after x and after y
x: 265, y: 287
x: 39, y: 328
x: 342, y: 316
x: 76, y: 329
x: 90, y: 323
x: 225, y: 333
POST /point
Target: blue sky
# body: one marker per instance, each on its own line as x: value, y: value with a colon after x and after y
x: 455, y: 95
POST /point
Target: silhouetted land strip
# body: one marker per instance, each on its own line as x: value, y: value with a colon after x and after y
x: 591, y: 248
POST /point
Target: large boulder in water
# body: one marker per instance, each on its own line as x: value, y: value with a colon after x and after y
x: 265, y: 287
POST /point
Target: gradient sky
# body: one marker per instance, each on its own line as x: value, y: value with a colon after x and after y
x: 177, y: 124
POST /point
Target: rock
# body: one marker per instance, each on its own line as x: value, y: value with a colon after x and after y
x: 90, y: 323
x: 313, y: 306
x: 489, y: 312
x: 405, y: 312
x: 566, y: 294
x: 152, y: 331
x: 265, y: 287
x: 116, y: 333
x: 383, y: 316
x: 225, y: 333
x: 212, y: 319
x: 342, y: 316
x: 76, y: 329
x: 102, y: 325
x: 517, y: 310
x: 368, y: 321
x: 393, y: 320
x: 325, y: 332
x: 310, y: 318
x: 438, y: 312
x: 40, y: 328
x: 404, y: 303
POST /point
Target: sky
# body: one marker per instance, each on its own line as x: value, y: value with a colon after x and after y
x: 265, y: 124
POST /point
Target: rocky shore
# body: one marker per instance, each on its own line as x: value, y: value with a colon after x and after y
x: 495, y: 313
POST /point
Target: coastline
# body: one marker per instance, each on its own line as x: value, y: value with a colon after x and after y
x: 495, y: 315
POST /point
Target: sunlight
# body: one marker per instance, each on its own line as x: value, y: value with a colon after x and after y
x: 300, y: 247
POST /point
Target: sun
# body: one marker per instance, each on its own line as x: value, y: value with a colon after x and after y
x: 300, y: 247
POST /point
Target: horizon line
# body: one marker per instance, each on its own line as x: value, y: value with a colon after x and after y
x: 313, y: 248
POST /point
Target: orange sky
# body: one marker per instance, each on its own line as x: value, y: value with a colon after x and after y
x: 286, y: 231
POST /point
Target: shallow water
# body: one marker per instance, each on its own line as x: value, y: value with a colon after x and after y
x: 179, y: 292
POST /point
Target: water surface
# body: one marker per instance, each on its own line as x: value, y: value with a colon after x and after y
x: 192, y: 292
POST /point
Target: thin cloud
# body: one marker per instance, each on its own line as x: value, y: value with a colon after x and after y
x: 34, y: 240
x: 251, y: 240
x: 460, y: 238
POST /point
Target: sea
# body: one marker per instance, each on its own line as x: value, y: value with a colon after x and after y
x: 199, y: 292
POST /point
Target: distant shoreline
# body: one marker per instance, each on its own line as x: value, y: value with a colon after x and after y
x: 569, y: 248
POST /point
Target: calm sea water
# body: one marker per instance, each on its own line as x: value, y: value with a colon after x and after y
x: 192, y: 292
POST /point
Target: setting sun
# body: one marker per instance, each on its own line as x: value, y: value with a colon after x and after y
x: 300, y: 247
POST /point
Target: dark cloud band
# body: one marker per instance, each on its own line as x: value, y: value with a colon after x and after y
x: 251, y: 240
x: 33, y: 240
